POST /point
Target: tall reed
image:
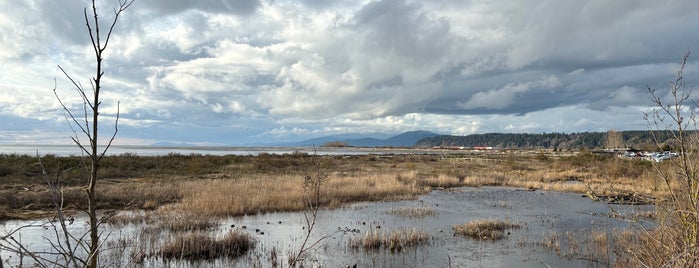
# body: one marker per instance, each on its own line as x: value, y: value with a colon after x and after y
x: 256, y: 194
x: 395, y: 240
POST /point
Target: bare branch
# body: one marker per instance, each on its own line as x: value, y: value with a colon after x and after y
x: 89, y: 28
x: 311, y: 200
x: 116, y: 129
x: 23, y: 250
x: 123, y: 5
x: 677, y: 234
x: 78, y: 87
x: 86, y: 129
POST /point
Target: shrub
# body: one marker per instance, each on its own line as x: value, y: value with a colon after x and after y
x: 674, y: 242
x: 5, y: 171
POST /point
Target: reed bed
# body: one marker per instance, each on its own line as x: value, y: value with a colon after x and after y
x: 164, y: 220
x: 214, y: 186
x: 395, y: 241
x: 139, y: 193
x: 199, y: 246
x: 258, y: 194
x: 485, y: 229
x: 599, y: 246
x: 182, y: 223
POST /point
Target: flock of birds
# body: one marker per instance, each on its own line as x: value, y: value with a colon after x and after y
x: 257, y: 230
x: 344, y: 230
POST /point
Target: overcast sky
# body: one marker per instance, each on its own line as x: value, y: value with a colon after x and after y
x: 236, y: 72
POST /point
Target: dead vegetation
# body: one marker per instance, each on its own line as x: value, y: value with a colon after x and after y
x: 674, y: 240
x: 198, y: 246
x: 186, y: 194
x: 414, y: 212
x: 394, y: 241
x: 485, y: 229
x: 213, y: 186
x: 592, y: 245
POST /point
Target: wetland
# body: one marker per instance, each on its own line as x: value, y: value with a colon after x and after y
x: 376, y: 210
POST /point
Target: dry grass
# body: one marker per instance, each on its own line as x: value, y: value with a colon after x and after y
x: 484, y: 229
x: 660, y: 247
x: 486, y: 179
x: 592, y: 245
x: 413, y: 212
x: 198, y: 246
x: 188, y: 192
x: 395, y: 241
x: 599, y: 245
x: 441, y: 181
x: 139, y: 193
x: 256, y: 194
x: 166, y: 219
x: 237, y: 185
x: 182, y: 223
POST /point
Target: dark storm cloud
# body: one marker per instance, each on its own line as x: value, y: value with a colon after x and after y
x: 237, y: 7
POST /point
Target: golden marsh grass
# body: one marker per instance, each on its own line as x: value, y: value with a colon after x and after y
x: 256, y: 194
x: 213, y: 186
x: 484, y: 229
x: 185, y: 194
x: 198, y: 246
x: 395, y: 240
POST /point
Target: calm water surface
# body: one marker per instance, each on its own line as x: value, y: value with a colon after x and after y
x: 67, y: 150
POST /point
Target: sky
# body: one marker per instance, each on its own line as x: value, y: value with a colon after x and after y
x: 242, y: 72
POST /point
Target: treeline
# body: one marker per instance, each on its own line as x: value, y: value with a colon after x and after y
x: 585, y: 140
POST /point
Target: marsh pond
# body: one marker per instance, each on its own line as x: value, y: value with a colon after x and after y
x: 548, y: 229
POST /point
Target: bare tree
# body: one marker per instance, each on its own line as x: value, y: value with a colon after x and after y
x: 675, y: 240
x: 87, y: 124
x: 312, y: 200
x: 67, y: 249
x: 614, y: 139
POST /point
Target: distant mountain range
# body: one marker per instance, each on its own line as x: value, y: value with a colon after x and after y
x: 407, y: 139
x: 426, y: 139
x: 639, y: 139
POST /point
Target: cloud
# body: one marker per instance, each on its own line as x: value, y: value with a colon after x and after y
x: 283, y: 131
x: 501, y: 98
x: 374, y: 63
x: 244, y: 69
x: 170, y: 7
x: 563, y: 33
x: 398, y: 38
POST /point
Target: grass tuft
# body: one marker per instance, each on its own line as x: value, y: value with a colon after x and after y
x: 413, y: 212
x: 395, y: 241
x: 198, y: 246
x: 484, y: 229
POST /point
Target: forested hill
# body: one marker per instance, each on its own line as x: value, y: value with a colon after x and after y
x: 589, y: 140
